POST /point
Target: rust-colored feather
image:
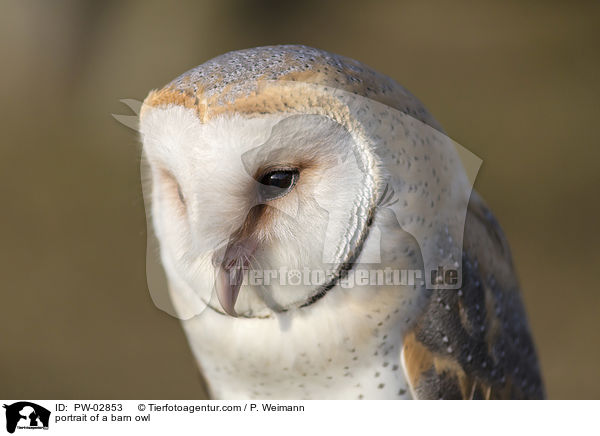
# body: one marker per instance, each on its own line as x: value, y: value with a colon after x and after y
x: 475, y: 343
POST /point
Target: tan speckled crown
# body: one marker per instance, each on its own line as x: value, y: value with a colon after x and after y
x: 230, y: 83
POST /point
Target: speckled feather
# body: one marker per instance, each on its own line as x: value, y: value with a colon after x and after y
x: 474, y: 343
x: 226, y: 81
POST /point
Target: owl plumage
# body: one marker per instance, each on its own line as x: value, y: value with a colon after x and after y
x: 371, y: 176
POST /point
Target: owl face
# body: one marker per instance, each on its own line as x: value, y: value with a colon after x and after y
x: 248, y: 208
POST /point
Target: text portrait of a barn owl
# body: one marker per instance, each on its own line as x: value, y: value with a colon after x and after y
x: 320, y: 237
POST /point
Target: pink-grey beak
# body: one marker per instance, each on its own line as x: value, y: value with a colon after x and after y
x: 230, y: 273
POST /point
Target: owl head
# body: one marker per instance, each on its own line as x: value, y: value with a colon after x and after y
x: 267, y: 165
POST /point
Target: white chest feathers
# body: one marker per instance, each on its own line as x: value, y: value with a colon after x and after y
x: 319, y: 352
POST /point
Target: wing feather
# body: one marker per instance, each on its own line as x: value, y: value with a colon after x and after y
x: 475, y: 343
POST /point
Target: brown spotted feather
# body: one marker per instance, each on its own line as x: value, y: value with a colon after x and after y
x: 475, y: 343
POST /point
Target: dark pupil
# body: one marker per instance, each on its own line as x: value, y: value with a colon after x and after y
x: 277, y: 184
x: 280, y: 179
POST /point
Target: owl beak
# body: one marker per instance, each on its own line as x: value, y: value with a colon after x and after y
x: 230, y: 273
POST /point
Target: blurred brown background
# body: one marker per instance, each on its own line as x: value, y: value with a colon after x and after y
x: 516, y: 82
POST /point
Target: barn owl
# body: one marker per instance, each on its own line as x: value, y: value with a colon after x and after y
x: 320, y: 238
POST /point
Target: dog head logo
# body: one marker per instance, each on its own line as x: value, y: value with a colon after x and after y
x: 26, y: 415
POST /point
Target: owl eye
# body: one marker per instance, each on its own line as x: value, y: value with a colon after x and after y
x: 276, y: 184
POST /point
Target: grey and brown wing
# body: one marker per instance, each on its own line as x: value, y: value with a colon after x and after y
x: 475, y: 343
